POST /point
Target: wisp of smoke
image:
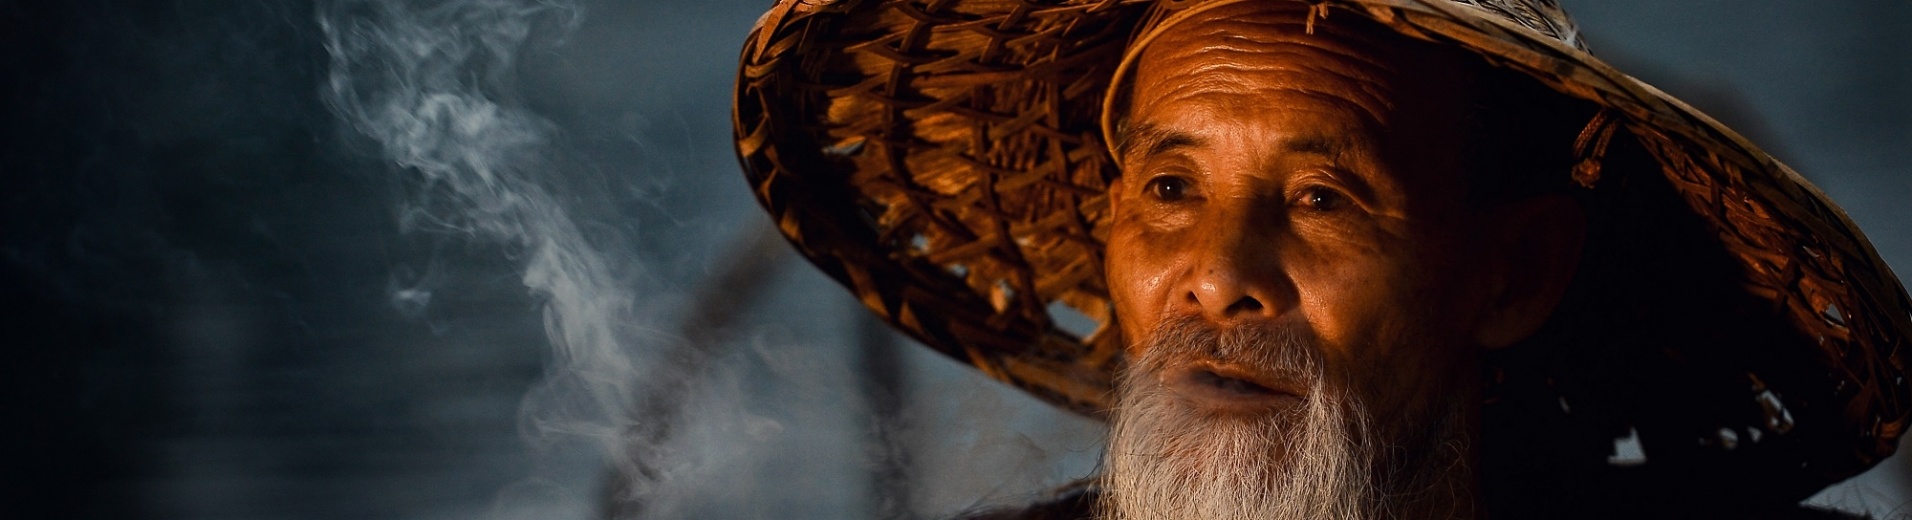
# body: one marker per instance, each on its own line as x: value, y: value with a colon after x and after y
x: 432, y: 84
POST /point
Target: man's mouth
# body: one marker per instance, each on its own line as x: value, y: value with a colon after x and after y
x: 1229, y: 387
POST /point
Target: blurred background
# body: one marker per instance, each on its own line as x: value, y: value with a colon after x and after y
x: 434, y: 259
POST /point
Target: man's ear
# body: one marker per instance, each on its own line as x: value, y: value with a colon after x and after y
x: 1536, y: 252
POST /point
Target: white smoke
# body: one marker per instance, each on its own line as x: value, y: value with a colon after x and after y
x: 432, y: 84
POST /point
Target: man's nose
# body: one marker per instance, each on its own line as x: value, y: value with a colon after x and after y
x: 1238, y: 277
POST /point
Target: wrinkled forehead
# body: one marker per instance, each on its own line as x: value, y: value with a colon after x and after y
x: 1254, y: 47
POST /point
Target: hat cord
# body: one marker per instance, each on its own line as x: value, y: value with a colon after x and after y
x: 1597, y: 134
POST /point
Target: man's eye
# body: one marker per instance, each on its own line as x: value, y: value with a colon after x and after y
x: 1167, y: 188
x: 1323, y: 199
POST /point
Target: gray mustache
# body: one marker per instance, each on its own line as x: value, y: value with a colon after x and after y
x: 1289, y: 350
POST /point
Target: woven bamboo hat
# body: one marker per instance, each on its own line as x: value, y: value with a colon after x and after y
x: 945, y: 161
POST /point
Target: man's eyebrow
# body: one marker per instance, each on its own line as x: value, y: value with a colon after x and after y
x: 1323, y: 145
x: 1154, y: 139
x: 1333, y: 148
x: 1157, y: 140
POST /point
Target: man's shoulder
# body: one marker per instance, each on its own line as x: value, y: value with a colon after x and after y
x: 1652, y: 511
x: 1077, y: 501
x: 1796, y: 512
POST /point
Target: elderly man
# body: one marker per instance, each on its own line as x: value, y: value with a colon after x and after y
x: 1303, y: 277
x: 1347, y: 259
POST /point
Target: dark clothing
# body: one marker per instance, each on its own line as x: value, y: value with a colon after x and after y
x: 1078, y: 502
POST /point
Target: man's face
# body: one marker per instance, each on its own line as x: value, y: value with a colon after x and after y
x: 1292, y: 247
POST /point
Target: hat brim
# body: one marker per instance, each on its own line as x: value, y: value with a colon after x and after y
x: 944, y: 160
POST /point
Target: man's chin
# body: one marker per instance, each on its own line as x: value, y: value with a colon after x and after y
x: 1246, y: 423
x: 1170, y: 459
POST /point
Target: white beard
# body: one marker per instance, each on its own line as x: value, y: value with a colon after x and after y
x: 1167, y: 460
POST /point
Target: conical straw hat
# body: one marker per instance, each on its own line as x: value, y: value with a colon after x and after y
x: 945, y: 161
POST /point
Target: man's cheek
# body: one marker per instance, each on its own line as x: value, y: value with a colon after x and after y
x: 1343, y: 297
x: 1125, y: 292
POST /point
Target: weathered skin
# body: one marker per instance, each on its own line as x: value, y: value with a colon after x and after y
x: 1314, y: 181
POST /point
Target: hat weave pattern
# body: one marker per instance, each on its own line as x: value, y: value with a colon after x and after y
x: 943, y: 160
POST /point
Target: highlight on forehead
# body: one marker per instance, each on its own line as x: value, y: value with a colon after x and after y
x: 1257, y: 46
x: 1258, y: 28
x: 1221, y: 46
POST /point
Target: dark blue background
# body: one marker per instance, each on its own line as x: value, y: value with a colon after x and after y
x: 199, y: 264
